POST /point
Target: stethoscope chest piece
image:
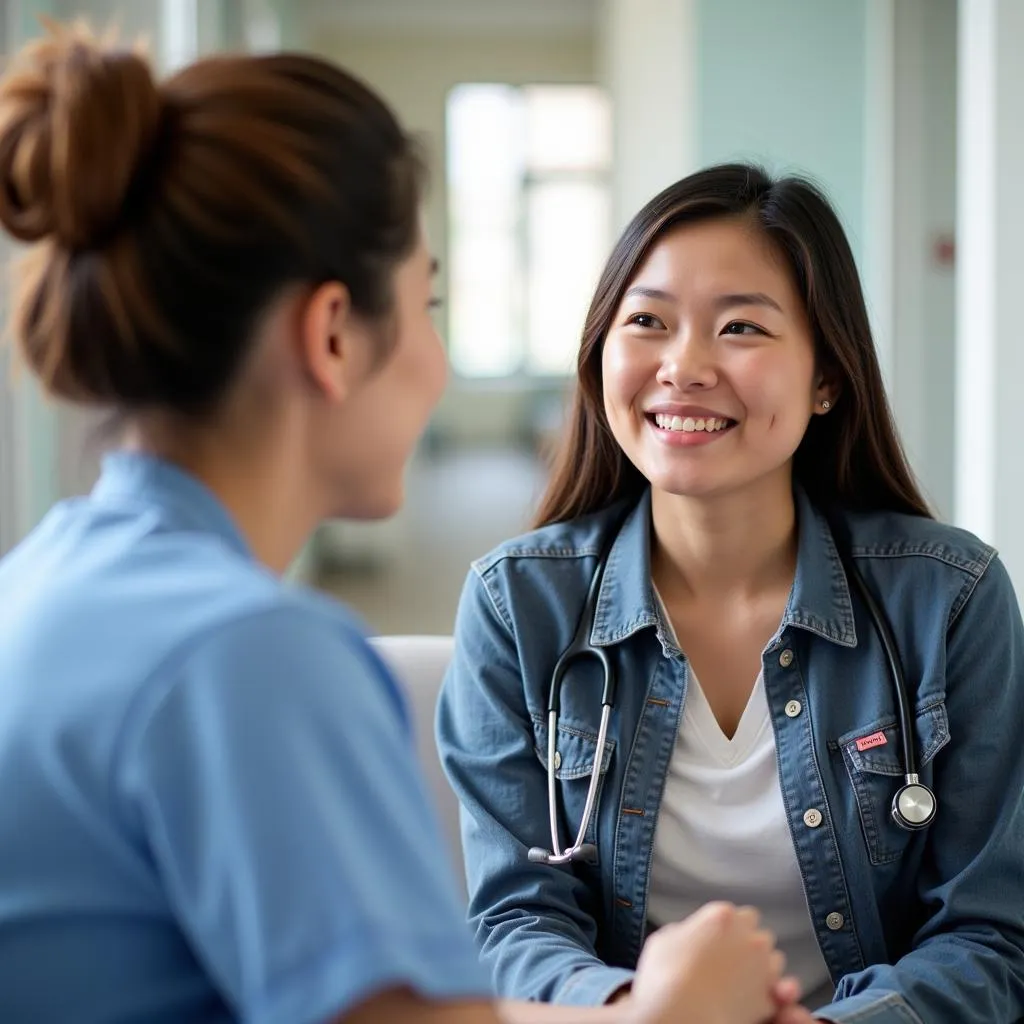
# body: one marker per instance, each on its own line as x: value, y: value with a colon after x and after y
x: 913, y: 806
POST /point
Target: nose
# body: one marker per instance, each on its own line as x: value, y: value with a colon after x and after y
x: 688, y: 362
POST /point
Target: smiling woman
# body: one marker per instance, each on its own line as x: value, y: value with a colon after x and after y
x: 804, y: 275
x: 730, y: 476
x: 685, y: 349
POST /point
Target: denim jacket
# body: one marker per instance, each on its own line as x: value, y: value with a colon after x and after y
x: 924, y: 927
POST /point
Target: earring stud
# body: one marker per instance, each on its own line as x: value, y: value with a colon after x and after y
x: 826, y: 405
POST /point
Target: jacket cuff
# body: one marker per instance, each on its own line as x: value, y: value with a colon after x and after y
x: 593, y: 986
x: 869, y: 1008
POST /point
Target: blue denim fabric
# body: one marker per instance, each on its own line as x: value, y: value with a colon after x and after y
x: 915, y: 927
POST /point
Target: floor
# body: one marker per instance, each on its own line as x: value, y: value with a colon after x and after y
x: 405, y: 576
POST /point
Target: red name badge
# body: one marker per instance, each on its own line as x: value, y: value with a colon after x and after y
x: 876, y: 739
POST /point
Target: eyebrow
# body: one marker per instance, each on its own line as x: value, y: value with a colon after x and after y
x: 649, y: 293
x: 747, y: 299
x: 721, y: 301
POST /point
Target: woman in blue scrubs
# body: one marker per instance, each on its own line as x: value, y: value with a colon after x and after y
x: 209, y: 808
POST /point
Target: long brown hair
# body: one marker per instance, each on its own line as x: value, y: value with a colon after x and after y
x: 169, y: 215
x: 853, y: 456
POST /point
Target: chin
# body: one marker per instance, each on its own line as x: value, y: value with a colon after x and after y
x: 687, y: 487
x: 712, y: 486
x: 369, y: 507
x: 371, y: 511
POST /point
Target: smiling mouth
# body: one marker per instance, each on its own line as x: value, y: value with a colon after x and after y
x: 690, y: 424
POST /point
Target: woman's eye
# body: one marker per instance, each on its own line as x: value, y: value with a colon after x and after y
x: 644, y: 320
x: 435, y: 303
x: 741, y: 327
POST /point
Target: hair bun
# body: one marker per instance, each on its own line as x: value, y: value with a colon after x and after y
x: 78, y: 121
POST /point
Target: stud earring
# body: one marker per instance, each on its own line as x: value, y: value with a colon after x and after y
x: 825, y: 405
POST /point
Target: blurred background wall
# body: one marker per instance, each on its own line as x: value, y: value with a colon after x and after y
x: 548, y: 124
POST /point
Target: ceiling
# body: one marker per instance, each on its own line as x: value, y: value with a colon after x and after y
x: 451, y: 17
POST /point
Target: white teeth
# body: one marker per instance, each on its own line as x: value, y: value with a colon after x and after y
x: 689, y: 424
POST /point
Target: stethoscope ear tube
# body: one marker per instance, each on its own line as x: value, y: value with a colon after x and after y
x: 579, y: 647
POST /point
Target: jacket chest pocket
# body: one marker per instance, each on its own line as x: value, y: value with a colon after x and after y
x: 575, y: 758
x: 874, y: 763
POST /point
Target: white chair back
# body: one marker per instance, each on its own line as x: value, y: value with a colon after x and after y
x: 419, y: 664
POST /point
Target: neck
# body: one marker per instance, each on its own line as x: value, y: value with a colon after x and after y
x: 267, y: 494
x: 736, y: 545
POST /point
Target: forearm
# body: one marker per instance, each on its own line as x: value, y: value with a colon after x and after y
x: 950, y: 980
x: 541, y: 960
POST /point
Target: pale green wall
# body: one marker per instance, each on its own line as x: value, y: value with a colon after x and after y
x: 783, y: 82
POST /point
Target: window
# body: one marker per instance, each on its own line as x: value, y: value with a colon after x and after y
x: 529, y: 223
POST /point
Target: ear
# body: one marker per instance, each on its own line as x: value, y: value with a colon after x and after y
x: 826, y: 392
x: 333, y: 341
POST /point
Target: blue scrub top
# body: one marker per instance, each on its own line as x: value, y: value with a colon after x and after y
x: 210, y: 806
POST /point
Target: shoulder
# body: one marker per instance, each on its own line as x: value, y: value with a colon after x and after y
x: 911, y: 555
x: 538, y: 575
x: 895, y: 535
x: 214, y: 593
x: 285, y: 625
x: 281, y: 652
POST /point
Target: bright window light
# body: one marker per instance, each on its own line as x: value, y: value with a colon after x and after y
x: 529, y: 221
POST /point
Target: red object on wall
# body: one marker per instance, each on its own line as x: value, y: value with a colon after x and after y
x: 944, y: 250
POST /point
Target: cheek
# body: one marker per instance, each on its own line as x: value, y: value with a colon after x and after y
x: 780, y: 388
x: 424, y: 366
x: 623, y: 372
x: 432, y: 372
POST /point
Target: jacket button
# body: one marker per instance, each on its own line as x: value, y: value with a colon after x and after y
x: 812, y: 817
x: 834, y: 921
x: 786, y: 658
x: 793, y: 708
x: 558, y: 760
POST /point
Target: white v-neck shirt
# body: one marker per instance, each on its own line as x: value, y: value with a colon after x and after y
x: 722, y: 834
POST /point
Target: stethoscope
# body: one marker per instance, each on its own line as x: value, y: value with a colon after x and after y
x: 913, y: 806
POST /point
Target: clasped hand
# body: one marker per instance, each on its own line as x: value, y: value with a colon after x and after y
x: 719, y: 966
